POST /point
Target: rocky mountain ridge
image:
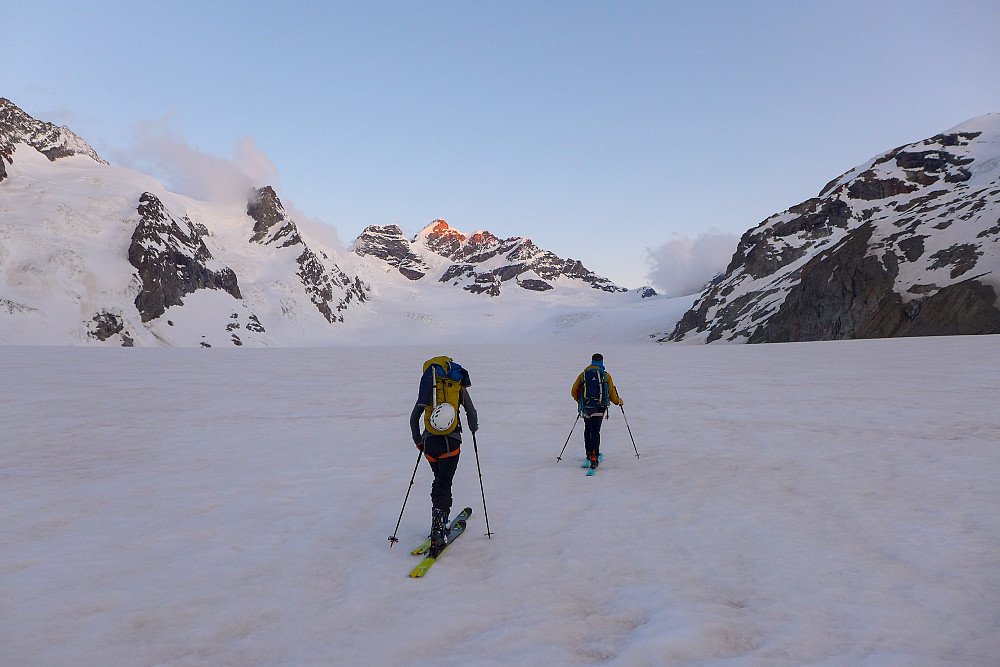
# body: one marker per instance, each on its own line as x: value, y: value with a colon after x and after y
x: 51, y: 141
x: 905, y: 244
x: 480, y: 263
x: 94, y: 253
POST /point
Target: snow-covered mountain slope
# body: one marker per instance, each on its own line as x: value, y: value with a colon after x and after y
x: 91, y: 253
x: 906, y: 244
x: 480, y: 263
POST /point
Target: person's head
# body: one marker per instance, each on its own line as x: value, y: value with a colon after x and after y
x: 597, y: 359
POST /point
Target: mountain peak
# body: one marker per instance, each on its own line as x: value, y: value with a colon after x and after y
x: 481, y: 263
x: 17, y: 127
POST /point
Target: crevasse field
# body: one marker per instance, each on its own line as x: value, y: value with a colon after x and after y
x: 802, y: 504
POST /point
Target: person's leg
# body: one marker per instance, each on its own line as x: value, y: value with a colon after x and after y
x: 596, y: 435
x: 444, y: 472
x: 591, y: 436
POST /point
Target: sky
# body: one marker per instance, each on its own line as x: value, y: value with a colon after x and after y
x: 634, y: 136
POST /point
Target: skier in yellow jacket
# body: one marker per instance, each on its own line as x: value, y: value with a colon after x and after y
x: 593, y: 391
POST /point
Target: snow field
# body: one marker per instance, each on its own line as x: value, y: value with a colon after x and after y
x: 817, y: 503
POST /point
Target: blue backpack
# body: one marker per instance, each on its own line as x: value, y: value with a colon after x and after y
x: 594, y: 391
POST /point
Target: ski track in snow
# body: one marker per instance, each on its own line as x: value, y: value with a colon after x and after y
x: 814, y: 503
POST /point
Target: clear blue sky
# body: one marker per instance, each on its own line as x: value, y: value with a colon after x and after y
x: 598, y: 129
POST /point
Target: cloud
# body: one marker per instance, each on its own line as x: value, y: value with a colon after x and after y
x: 157, y: 151
x: 684, y: 266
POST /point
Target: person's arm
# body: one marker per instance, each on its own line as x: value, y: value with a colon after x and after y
x: 576, y: 387
x: 612, y: 392
x: 415, y: 415
x: 424, y: 399
x: 470, y: 411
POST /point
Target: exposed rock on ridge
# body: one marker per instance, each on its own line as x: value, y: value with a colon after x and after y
x: 17, y: 127
x: 908, y: 244
x: 172, y: 260
x: 323, y: 280
x: 388, y: 243
x: 481, y: 263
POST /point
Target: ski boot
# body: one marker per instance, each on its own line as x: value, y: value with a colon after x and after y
x: 439, y: 530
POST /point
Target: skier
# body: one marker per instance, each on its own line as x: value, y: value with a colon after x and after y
x: 443, y: 388
x: 593, y: 390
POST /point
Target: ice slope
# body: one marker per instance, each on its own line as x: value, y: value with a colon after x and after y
x: 794, y: 504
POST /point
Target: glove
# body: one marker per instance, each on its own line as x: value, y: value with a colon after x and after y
x: 419, y: 444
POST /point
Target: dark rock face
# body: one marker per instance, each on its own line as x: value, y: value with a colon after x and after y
x: 841, y: 293
x: 329, y: 289
x: 271, y: 224
x: 871, y: 257
x: 17, y: 127
x: 105, y: 325
x: 324, y: 284
x: 389, y: 244
x: 963, y: 309
x: 483, y: 264
x: 868, y: 187
x: 171, y: 260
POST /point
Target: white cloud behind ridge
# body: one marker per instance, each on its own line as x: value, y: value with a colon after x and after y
x: 684, y: 266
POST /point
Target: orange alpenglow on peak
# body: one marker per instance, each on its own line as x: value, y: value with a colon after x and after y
x: 483, y: 237
x: 440, y: 228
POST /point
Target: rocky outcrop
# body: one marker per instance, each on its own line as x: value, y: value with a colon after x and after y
x: 17, y: 127
x: 482, y: 262
x: 271, y: 225
x: 841, y: 293
x: 329, y: 289
x: 171, y: 260
x: 105, y: 325
x: 389, y: 244
x: 908, y: 244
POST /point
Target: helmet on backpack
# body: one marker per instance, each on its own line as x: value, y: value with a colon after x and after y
x: 442, y: 418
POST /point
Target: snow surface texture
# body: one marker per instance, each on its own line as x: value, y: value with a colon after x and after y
x: 814, y: 503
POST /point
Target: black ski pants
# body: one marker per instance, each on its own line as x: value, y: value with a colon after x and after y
x: 440, y: 448
x: 592, y: 434
x: 444, y: 473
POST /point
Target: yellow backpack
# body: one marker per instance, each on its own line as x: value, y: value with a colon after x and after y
x: 441, y: 416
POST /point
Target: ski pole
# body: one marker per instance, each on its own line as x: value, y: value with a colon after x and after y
x: 629, y: 431
x: 559, y: 458
x: 486, y: 514
x: 393, y: 539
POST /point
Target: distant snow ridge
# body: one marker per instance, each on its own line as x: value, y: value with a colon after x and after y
x: 53, y: 142
x: 480, y: 263
x: 907, y: 244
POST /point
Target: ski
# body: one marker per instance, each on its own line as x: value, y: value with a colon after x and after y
x: 421, y: 569
x: 586, y: 464
x: 462, y: 516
